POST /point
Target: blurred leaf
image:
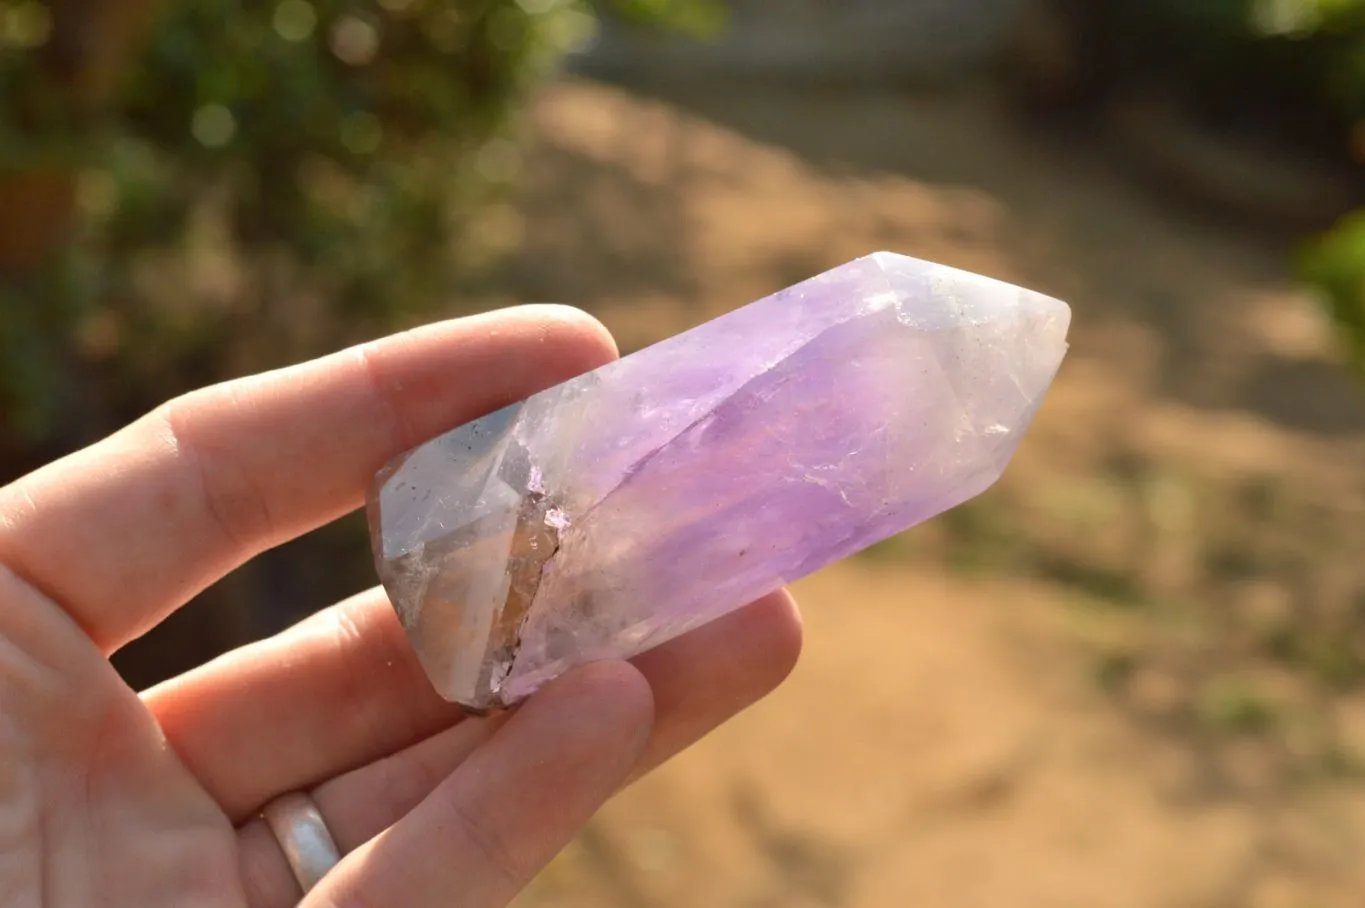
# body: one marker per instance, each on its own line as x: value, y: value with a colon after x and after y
x: 1335, y: 265
x: 271, y: 178
x: 1237, y: 707
x: 699, y: 18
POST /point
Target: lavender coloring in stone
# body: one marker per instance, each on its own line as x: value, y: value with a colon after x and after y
x: 620, y: 509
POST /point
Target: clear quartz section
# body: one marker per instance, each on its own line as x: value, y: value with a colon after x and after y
x: 636, y: 502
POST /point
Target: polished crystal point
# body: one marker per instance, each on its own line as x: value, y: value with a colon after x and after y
x: 629, y: 505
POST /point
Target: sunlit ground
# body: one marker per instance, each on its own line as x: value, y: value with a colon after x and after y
x: 1124, y: 677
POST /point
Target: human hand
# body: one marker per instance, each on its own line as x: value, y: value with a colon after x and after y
x: 116, y: 798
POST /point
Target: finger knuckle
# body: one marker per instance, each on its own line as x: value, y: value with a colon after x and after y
x: 229, y: 498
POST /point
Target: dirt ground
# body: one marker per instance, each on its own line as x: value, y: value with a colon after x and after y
x: 1129, y: 675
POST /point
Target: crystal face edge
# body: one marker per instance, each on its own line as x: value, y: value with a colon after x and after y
x: 624, y: 507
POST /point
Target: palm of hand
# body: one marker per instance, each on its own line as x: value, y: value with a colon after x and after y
x: 96, y: 810
x: 117, y: 798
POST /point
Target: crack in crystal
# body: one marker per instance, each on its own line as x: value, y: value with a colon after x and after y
x: 535, y: 542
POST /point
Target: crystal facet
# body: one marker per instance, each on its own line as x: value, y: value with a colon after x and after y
x: 636, y: 502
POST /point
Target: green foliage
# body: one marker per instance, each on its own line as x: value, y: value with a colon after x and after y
x: 699, y: 18
x: 1236, y: 707
x: 1335, y: 264
x: 269, y: 179
x: 1313, y: 52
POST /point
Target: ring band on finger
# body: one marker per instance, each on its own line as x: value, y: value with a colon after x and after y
x: 303, y: 836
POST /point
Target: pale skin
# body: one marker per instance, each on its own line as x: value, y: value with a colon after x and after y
x: 117, y: 798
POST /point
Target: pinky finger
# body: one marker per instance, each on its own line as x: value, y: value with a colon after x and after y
x: 484, y: 833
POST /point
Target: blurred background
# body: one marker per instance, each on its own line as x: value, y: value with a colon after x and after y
x: 1132, y: 674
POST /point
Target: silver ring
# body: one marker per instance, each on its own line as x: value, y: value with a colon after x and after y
x: 303, y: 836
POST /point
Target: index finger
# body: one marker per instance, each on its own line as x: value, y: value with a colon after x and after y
x: 123, y: 532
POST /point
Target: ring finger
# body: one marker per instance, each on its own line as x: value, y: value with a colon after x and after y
x: 358, y: 805
x: 698, y: 681
x: 482, y: 806
x: 345, y: 688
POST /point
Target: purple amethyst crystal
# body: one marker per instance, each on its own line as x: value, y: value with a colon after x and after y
x: 636, y: 502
